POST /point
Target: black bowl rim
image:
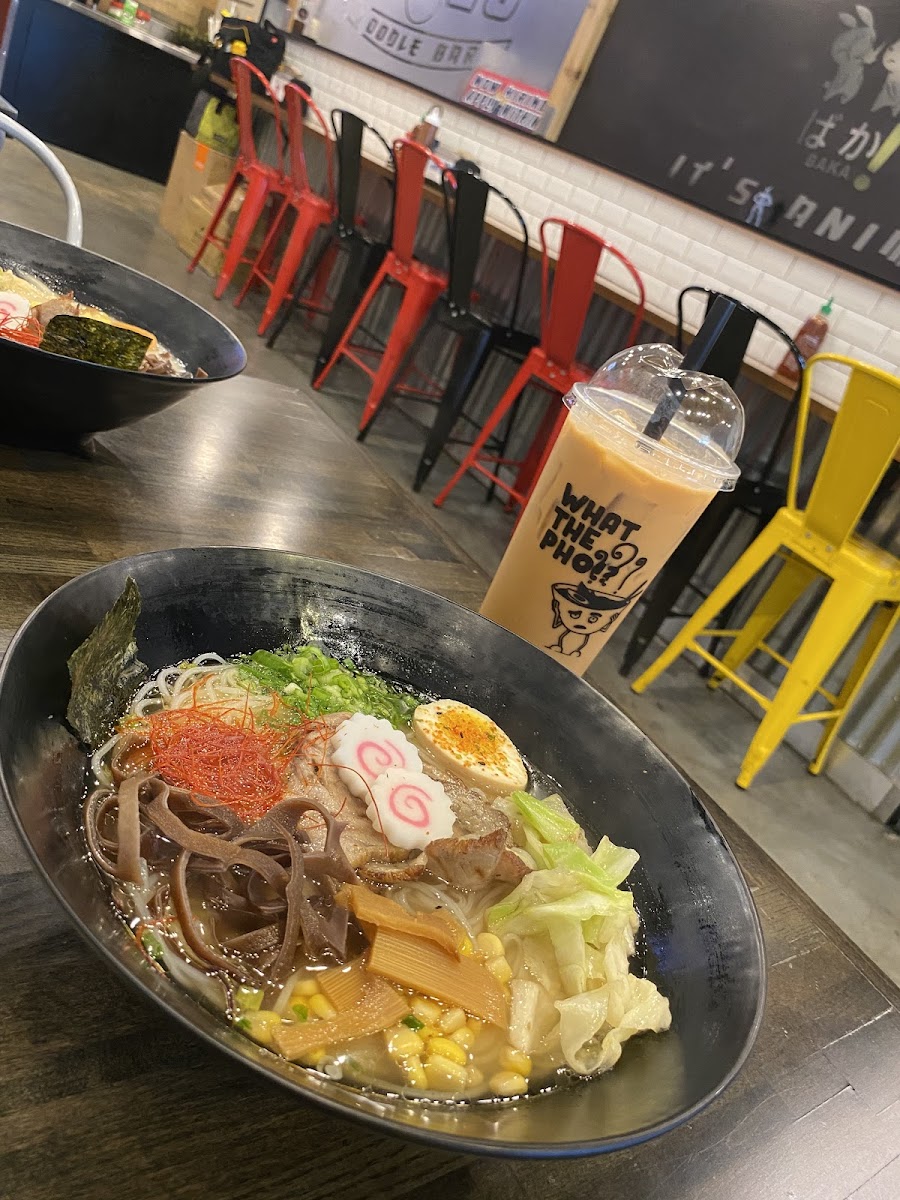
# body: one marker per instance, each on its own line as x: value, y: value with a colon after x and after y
x: 164, y: 380
x: 384, y: 1125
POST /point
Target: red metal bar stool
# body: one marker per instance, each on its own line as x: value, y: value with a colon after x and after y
x: 263, y: 181
x: 422, y: 284
x: 310, y: 209
x: 551, y: 363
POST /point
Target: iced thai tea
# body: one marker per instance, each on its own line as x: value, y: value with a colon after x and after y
x: 609, y: 508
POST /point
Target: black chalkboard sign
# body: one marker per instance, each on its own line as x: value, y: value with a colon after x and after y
x: 781, y: 114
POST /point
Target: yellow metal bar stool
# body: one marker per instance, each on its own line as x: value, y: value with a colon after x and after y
x: 815, y: 542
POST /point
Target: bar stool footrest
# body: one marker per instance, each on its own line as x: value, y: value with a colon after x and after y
x: 721, y: 669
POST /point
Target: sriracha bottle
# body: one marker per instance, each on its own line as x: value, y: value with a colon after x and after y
x: 810, y: 337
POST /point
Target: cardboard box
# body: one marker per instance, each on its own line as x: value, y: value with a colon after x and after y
x: 194, y: 168
x: 195, y: 219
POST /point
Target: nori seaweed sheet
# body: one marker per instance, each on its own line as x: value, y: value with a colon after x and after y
x: 95, y: 341
x: 106, y: 671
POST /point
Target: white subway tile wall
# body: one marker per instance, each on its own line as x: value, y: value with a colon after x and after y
x: 671, y: 243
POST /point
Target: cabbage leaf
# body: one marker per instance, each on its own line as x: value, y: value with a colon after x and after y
x: 576, y: 926
x: 593, y: 1025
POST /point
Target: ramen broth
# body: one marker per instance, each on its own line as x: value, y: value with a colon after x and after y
x: 33, y: 313
x: 223, y: 928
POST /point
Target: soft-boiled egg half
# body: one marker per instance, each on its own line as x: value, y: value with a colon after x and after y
x: 465, y: 741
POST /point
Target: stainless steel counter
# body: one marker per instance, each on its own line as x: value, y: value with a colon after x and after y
x: 135, y: 31
x: 83, y: 81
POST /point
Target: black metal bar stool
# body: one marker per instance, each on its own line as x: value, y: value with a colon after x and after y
x: 755, y: 493
x: 346, y: 234
x: 466, y: 197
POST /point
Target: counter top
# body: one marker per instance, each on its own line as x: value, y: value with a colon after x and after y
x: 822, y: 406
x: 82, y: 81
x: 134, y: 31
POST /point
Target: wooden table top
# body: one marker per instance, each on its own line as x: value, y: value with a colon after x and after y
x: 105, y: 1098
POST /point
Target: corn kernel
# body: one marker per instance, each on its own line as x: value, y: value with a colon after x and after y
x: 452, y: 1020
x: 444, y: 1075
x: 475, y: 1025
x: 508, y: 1083
x: 414, y: 1072
x: 466, y: 946
x: 403, y: 1043
x: 515, y: 1060
x: 500, y: 969
x: 464, y: 1037
x: 314, y: 1058
x: 448, y: 1049
x: 306, y: 987
x: 265, y: 1016
x: 426, y: 1010
x: 259, y: 1024
x: 427, y: 1032
x: 322, y: 1006
x: 489, y: 945
x: 474, y: 1077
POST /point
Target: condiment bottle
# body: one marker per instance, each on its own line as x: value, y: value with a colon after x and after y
x: 427, y: 129
x: 810, y: 337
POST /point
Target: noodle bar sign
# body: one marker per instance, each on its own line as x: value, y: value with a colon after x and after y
x: 501, y: 57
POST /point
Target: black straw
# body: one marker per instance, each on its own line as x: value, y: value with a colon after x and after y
x: 694, y: 360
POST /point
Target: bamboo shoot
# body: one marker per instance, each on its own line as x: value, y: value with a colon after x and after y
x: 344, y: 986
x: 380, y: 1007
x: 463, y: 982
x: 372, y: 909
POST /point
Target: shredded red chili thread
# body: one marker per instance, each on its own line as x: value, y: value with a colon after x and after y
x: 28, y: 331
x: 217, y: 751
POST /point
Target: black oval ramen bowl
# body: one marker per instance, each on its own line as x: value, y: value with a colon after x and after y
x: 702, y: 937
x: 52, y: 398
